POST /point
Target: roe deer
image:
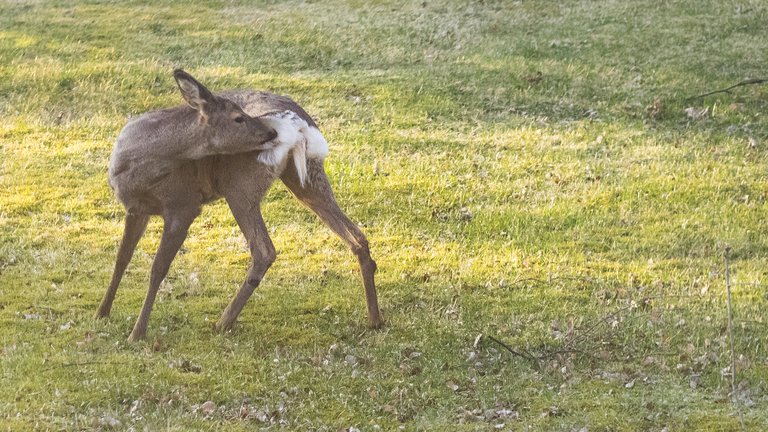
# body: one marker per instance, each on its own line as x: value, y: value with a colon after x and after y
x: 234, y: 145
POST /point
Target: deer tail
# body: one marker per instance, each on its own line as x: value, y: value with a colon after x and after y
x: 300, y: 159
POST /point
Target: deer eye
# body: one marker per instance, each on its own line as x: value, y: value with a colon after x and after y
x: 239, y: 119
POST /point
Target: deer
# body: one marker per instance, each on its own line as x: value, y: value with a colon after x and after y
x: 233, y: 145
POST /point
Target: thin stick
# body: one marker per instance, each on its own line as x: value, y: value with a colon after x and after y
x: 730, y: 334
x: 87, y: 363
x: 585, y: 334
x: 515, y: 352
x: 728, y: 89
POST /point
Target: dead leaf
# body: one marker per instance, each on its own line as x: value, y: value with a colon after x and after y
x: 110, y: 421
x: 550, y: 412
x: 742, y: 363
x: 694, y: 381
x: 477, y: 340
x: 261, y: 416
x: 655, y: 109
x: 88, y: 338
x: 534, y: 78
x: 696, y: 113
x: 465, y: 214
x: 208, y: 408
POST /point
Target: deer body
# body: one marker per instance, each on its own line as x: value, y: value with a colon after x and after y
x: 171, y: 162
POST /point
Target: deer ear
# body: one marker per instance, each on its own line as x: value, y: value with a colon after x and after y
x: 196, y: 95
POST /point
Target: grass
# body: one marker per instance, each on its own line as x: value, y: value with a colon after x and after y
x: 523, y: 170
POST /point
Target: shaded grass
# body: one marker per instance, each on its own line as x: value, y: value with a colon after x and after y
x: 497, y: 200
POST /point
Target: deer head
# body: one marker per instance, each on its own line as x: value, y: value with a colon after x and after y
x: 225, y: 126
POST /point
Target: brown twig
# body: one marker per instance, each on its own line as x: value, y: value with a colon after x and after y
x: 514, y: 352
x: 573, y: 342
x: 537, y: 359
x: 730, y: 335
x: 87, y: 363
x: 585, y: 334
x: 550, y: 279
x: 728, y: 89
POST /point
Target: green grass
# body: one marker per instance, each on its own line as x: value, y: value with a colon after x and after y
x: 554, y: 214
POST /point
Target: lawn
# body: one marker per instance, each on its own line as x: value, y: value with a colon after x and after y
x: 548, y: 201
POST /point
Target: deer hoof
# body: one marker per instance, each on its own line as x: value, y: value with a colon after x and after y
x: 376, y: 324
x: 220, y: 327
x: 135, y: 337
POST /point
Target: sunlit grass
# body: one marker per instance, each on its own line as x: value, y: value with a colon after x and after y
x: 523, y: 170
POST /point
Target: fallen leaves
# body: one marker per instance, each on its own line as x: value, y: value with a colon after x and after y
x: 110, y: 421
x: 655, y: 110
x: 552, y: 411
x: 696, y: 113
x: 461, y: 214
x: 350, y: 360
x: 87, y: 339
x: 207, y: 408
x: 498, y: 416
x: 534, y: 78
x: 243, y: 410
x: 409, y: 363
x: 185, y: 365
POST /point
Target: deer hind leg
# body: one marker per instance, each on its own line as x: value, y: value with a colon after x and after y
x: 175, y: 227
x: 135, y: 224
x: 318, y: 196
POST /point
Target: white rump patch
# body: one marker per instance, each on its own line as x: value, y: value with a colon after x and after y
x: 317, y: 146
x: 288, y: 126
x: 293, y: 133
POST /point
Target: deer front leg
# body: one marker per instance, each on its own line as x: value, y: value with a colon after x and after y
x: 262, y: 256
x: 135, y: 224
x: 175, y: 229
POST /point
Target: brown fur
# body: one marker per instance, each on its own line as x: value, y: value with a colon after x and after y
x: 154, y: 172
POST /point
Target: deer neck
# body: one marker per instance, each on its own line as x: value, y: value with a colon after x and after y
x: 170, y: 135
x: 183, y: 136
